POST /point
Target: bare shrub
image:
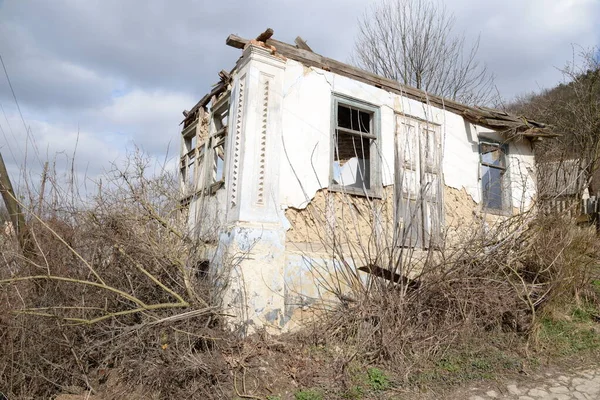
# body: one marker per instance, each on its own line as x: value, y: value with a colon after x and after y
x: 113, y: 288
x: 387, y: 298
x: 497, y: 277
x: 573, y: 107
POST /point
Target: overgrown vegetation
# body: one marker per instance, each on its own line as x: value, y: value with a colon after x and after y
x: 471, y: 311
x: 110, y: 296
x: 113, y: 300
x: 573, y: 107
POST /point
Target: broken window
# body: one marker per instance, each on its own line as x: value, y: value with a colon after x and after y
x: 192, y: 156
x: 220, y: 118
x: 355, y: 160
x: 202, y: 163
x: 495, y: 185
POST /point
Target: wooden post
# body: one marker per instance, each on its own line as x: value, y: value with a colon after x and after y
x: 266, y: 35
x: 40, y: 209
x: 17, y: 217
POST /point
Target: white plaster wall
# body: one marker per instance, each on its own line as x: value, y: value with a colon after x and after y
x: 522, y: 174
x: 307, y: 96
x: 207, y: 216
x: 265, y: 283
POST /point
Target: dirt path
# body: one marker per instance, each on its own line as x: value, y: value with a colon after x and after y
x: 576, y: 384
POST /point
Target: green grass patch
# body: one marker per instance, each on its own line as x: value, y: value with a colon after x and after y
x: 577, y: 334
x: 464, y: 366
x: 564, y: 338
x: 378, y: 380
x: 449, y: 365
x: 308, y: 394
x: 584, y: 313
x: 354, y: 393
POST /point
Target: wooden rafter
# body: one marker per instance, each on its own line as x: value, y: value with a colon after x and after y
x: 266, y: 35
x: 301, y: 44
x: 489, y: 118
x: 217, y: 90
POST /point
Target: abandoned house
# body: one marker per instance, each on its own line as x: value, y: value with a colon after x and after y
x: 296, y: 165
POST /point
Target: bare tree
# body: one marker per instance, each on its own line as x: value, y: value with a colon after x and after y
x: 573, y: 107
x: 413, y: 42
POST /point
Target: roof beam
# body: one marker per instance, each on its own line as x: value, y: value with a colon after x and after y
x: 315, y: 60
x: 236, y: 41
x: 493, y: 119
x: 266, y: 35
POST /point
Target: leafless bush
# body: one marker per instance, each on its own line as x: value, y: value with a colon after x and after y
x: 113, y: 287
x: 497, y: 275
x: 570, y: 162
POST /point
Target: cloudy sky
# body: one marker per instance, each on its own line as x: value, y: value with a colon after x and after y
x: 108, y: 75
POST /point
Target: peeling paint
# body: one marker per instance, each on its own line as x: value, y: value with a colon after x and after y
x: 272, y: 233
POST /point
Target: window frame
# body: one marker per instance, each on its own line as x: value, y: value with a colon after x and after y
x: 374, y: 189
x: 506, y: 196
x: 191, y: 159
x: 218, y: 138
x: 203, y: 151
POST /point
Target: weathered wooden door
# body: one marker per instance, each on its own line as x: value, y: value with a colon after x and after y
x: 417, y: 183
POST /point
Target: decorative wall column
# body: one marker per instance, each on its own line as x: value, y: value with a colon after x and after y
x: 252, y: 247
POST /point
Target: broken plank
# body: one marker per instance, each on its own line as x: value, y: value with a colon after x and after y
x: 236, y: 41
x: 266, y: 35
x: 301, y: 43
x: 217, y: 90
x: 225, y: 76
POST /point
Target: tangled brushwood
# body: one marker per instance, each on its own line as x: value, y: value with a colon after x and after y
x: 112, y: 283
x: 112, y: 299
x: 499, y: 280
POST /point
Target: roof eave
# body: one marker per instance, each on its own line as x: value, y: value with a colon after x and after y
x: 486, y: 117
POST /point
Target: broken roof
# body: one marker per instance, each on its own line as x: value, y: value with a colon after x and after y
x: 511, y: 125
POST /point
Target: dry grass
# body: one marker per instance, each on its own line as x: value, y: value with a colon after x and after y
x: 112, y: 285
x: 470, y: 311
x: 113, y: 303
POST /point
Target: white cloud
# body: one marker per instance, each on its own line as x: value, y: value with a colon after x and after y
x: 120, y: 73
x: 44, y: 81
x: 96, y: 137
x: 148, y: 119
x: 523, y: 42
